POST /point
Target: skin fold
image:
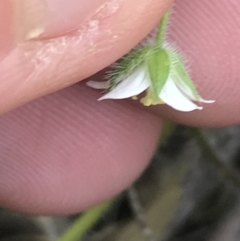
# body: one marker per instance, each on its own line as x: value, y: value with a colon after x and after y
x: 61, y: 150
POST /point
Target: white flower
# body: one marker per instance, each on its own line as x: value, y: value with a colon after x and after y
x: 157, y: 68
x: 175, y: 92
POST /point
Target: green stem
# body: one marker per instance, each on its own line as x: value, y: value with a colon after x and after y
x: 168, y: 128
x: 162, y: 29
x: 85, y: 222
x: 139, y: 213
x: 213, y: 157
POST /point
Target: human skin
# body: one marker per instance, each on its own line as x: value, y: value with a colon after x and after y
x: 61, y: 150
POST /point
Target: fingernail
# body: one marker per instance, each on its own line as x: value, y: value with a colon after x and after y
x: 23, y: 20
x: 66, y: 16
x: 29, y: 18
x: 49, y: 18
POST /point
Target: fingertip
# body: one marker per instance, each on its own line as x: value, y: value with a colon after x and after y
x: 6, y: 30
x: 74, y: 151
x: 39, y: 67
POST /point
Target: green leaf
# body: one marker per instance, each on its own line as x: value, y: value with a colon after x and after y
x: 180, y: 70
x: 158, y: 69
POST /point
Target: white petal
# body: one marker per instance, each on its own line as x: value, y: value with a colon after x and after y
x: 98, y: 85
x: 173, y: 97
x: 187, y: 91
x: 206, y: 101
x: 133, y: 85
x: 184, y: 88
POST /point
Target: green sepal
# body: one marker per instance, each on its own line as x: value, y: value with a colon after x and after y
x: 180, y: 71
x: 158, y: 69
x: 127, y: 64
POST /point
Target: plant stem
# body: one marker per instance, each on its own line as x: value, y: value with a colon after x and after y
x: 213, y: 157
x: 168, y: 128
x: 85, y: 222
x: 139, y: 213
x: 162, y: 29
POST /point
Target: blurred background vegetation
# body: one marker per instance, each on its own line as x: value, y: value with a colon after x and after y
x: 189, y: 192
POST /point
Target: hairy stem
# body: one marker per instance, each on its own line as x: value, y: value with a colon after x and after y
x: 161, y: 33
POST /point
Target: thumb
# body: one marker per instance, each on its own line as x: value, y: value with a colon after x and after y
x: 46, y: 45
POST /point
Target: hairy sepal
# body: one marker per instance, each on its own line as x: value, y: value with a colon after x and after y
x: 158, y: 65
x: 128, y: 64
x: 180, y: 73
